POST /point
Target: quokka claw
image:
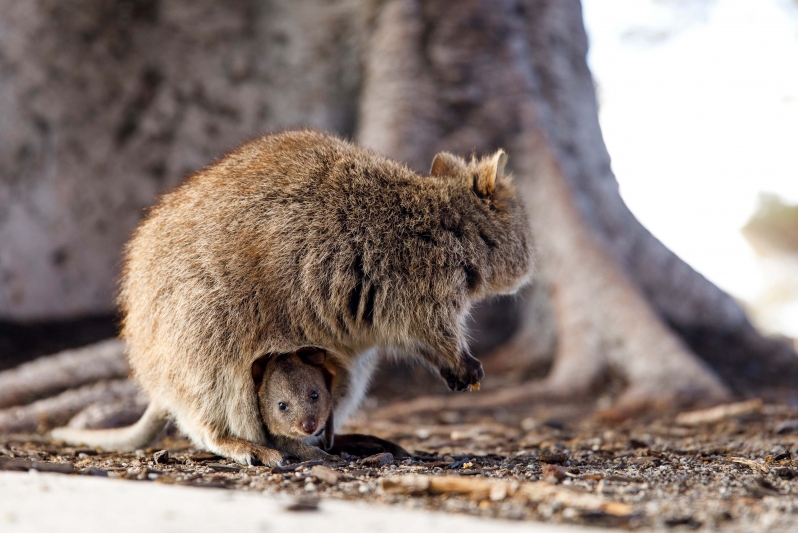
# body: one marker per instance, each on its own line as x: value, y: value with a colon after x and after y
x: 470, y: 373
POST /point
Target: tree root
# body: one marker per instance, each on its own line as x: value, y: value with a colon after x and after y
x: 604, y: 323
x: 45, y: 414
x: 123, y: 412
x: 69, y: 369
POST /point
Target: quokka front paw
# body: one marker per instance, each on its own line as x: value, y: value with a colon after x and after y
x: 250, y: 454
x: 267, y: 456
x: 468, y: 373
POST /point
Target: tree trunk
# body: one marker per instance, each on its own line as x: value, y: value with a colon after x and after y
x: 106, y: 104
x: 115, y: 101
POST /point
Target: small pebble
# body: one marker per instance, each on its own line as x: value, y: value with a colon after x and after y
x: 160, y: 457
x: 553, y: 457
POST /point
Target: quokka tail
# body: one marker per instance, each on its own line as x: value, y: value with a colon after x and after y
x: 123, y: 439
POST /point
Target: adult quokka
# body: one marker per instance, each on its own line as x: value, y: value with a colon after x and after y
x: 302, y: 239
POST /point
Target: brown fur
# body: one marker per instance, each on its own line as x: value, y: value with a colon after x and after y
x: 301, y: 239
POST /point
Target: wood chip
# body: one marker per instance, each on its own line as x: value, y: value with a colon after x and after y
x: 556, y: 458
x: 380, y: 459
x: 719, y: 412
x: 753, y: 465
x: 204, y: 456
x: 495, y: 489
x: 325, y: 473
x: 223, y: 468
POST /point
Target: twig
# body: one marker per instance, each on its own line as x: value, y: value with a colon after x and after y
x: 753, y: 465
x: 496, y: 490
x: 718, y: 413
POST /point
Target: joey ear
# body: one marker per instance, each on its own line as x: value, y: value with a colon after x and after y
x: 329, y: 376
x: 312, y: 356
x: 489, y: 171
x: 258, y: 368
x: 445, y: 164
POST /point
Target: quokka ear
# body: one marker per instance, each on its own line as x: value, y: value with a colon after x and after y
x: 490, y: 170
x: 312, y: 356
x: 446, y: 164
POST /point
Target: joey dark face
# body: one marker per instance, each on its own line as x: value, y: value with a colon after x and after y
x: 492, y: 223
x: 294, y: 395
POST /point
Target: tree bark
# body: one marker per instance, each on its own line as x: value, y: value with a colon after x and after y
x: 110, y: 103
x: 107, y: 104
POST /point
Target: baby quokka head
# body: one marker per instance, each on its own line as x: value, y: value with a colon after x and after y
x: 490, y: 221
x: 294, y: 393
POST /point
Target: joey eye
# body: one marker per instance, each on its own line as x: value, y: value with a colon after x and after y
x: 314, y: 395
x: 282, y: 406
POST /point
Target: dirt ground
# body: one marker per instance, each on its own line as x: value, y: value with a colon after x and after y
x: 735, y: 471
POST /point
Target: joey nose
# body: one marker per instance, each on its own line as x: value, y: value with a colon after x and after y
x: 309, y: 426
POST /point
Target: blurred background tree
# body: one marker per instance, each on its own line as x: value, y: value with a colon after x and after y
x: 106, y: 104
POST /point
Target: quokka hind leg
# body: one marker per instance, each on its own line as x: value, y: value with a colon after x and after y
x: 245, y: 452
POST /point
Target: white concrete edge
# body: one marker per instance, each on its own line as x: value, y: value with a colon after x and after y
x: 39, y: 502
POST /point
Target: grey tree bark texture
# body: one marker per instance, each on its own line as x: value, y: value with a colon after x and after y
x: 107, y: 104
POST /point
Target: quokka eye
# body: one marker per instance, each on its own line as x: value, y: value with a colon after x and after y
x: 282, y: 406
x: 314, y: 395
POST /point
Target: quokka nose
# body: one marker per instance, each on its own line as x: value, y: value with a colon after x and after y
x: 309, y: 426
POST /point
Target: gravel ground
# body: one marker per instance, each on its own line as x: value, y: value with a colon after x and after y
x: 735, y: 471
